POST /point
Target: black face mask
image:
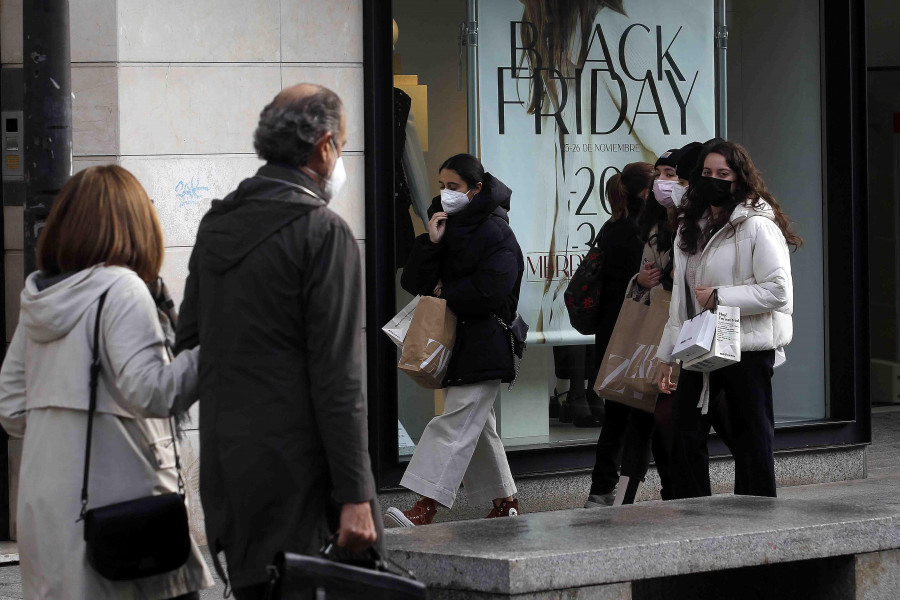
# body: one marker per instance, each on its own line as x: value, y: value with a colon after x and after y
x: 715, y: 192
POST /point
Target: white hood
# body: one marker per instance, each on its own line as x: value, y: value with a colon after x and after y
x: 744, y: 211
x: 50, y: 314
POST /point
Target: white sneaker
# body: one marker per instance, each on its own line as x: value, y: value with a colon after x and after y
x: 394, y: 517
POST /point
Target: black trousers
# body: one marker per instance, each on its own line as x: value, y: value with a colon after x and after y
x: 253, y: 592
x: 663, y: 445
x: 624, y: 440
x: 741, y: 410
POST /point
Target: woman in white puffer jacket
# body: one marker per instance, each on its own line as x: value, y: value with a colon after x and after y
x: 731, y: 248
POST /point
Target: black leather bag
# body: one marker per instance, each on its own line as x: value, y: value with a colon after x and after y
x: 519, y: 330
x: 138, y: 538
x: 300, y: 577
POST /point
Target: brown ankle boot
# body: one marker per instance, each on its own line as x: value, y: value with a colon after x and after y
x: 422, y: 513
x: 507, y: 508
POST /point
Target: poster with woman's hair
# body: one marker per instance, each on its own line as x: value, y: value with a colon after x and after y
x: 570, y: 91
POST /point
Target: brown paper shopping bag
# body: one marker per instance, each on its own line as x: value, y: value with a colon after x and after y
x: 629, y: 369
x: 429, y: 343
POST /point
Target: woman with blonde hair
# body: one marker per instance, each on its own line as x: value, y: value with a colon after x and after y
x: 102, y: 244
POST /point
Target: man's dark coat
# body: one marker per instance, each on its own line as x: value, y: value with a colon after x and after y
x: 273, y: 298
x: 480, y: 265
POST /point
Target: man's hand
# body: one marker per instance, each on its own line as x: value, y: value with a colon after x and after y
x: 357, y: 530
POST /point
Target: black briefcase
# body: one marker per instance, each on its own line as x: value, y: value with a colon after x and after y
x: 300, y: 577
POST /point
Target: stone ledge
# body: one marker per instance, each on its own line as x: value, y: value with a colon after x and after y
x: 570, y: 490
x: 591, y: 547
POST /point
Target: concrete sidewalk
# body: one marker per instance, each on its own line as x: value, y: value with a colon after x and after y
x: 881, y: 489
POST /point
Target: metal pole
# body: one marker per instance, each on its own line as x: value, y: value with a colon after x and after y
x: 48, y: 112
x: 472, y: 75
x: 722, y: 67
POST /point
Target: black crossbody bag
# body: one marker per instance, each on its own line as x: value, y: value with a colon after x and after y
x: 138, y: 538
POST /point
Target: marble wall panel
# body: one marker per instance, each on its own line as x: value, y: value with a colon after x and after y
x: 80, y: 163
x: 92, y: 24
x: 175, y: 271
x: 13, y: 228
x: 182, y: 187
x: 95, y: 110
x: 334, y: 35
x: 210, y: 109
x: 199, y: 31
x: 347, y: 82
x: 10, y: 32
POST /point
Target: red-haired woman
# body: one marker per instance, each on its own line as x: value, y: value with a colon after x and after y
x: 731, y: 248
x: 102, y: 240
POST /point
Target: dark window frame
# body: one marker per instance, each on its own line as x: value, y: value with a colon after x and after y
x: 845, y: 225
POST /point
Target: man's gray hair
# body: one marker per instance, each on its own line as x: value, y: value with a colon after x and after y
x: 291, y: 125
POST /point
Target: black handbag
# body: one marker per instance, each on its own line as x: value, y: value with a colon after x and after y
x: 584, y: 292
x: 300, y: 577
x: 138, y: 538
x: 517, y: 330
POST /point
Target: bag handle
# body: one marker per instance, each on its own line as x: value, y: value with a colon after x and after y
x: 381, y: 564
x: 517, y: 362
x: 92, y: 406
x: 96, y: 367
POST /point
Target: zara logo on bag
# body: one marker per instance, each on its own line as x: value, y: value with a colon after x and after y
x: 641, y: 364
x: 438, y: 359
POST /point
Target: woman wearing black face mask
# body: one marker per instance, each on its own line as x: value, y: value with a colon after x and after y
x: 731, y: 248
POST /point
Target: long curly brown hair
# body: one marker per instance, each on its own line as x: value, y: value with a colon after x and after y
x: 749, y: 188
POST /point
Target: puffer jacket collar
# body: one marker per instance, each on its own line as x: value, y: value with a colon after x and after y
x: 494, y: 198
x: 745, y: 210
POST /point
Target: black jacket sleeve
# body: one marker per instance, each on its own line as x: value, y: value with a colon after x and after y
x: 423, y: 269
x: 332, y: 324
x: 187, y: 333
x: 486, y: 290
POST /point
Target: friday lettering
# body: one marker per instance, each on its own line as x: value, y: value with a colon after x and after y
x: 667, y: 78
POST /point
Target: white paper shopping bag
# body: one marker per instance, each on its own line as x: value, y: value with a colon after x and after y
x: 696, y: 336
x: 398, y: 326
x: 726, y: 346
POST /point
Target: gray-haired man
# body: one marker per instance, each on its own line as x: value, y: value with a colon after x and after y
x: 273, y: 299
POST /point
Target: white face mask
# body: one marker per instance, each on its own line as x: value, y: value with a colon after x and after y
x: 678, y: 193
x: 453, y: 201
x: 662, y: 191
x: 335, y: 181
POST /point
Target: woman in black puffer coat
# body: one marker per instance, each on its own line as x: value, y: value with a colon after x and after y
x: 470, y: 258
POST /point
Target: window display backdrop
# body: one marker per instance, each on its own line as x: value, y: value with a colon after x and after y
x: 567, y: 98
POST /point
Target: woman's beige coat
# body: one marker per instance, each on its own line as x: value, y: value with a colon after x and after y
x: 44, y: 397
